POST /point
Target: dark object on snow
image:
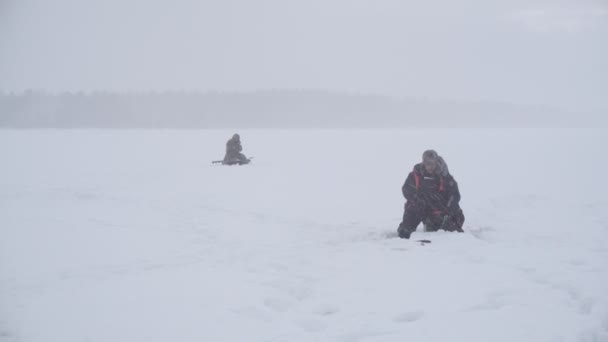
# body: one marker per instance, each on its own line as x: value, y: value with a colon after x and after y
x: 234, y: 162
x: 233, y: 152
x: 423, y: 242
x: 432, y: 198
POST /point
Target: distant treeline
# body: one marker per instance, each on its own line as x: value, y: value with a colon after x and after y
x: 262, y: 109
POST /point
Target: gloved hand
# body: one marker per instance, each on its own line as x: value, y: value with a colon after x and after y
x: 451, y: 226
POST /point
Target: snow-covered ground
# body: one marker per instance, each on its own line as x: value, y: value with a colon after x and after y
x: 135, y: 236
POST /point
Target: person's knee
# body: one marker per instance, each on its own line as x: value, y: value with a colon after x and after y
x: 408, y: 225
x: 403, y: 232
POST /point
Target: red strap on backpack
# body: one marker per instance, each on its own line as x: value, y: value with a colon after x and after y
x: 417, y: 182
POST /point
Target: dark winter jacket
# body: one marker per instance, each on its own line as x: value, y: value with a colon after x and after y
x: 431, y: 193
x: 233, y: 148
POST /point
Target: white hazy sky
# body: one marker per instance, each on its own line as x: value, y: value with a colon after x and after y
x: 532, y: 51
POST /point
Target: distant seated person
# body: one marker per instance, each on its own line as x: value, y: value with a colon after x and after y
x: 432, y: 198
x: 233, y: 152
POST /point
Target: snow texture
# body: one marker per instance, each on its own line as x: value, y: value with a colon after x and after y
x: 135, y: 236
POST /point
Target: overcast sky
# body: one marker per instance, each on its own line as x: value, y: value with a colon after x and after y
x: 529, y: 52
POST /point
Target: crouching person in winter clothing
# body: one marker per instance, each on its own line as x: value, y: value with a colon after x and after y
x: 432, y: 198
x: 233, y: 152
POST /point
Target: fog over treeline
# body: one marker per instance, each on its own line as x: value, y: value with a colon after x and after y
x: 266, y: 109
